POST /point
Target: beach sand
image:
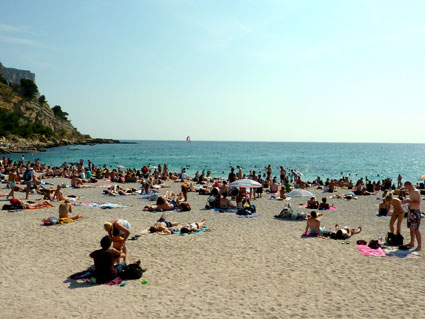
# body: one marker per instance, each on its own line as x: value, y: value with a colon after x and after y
x: 241, y: 268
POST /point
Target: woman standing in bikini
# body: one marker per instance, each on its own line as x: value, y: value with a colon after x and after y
x: 12, y: 183
x: 398, y: 213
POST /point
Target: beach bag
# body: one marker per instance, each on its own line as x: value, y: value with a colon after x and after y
x: 373, y: 244
x: 394, y: 240
x: 185, y: 207
x: 50, y: 221
x: 27, y: 176
x: 8, y: 207
x: 132, y: 271
x: 244, y: 211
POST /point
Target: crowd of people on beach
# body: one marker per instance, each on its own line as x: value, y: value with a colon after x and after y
x: 222, y: 194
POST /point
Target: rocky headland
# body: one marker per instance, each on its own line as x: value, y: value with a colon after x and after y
x: 28, y: 123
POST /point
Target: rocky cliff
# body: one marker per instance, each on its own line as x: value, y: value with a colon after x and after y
x: 34, y: 111
x: 14, y: 76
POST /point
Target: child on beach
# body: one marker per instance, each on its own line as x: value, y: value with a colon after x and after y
x: 118, y: 243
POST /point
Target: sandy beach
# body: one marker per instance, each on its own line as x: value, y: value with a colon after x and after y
x: 241, y: 268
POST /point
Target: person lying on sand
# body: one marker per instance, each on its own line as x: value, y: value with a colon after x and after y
x: 65, y: 209
x: 116, y: 190
x: 20, y: 204
x: 162, y: 204
x: 193, y: 227
x: 162, y: 226
x: 344, y: 233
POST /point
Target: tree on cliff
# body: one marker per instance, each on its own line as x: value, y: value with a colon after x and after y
x: 2, y: 79
x: 42, y: 99
x: 29, y: 88
x: 57, y: 110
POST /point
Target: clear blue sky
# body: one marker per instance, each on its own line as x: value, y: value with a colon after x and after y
x: 328, y: 71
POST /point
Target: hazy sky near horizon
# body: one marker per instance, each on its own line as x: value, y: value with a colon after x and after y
x: 320, y: 71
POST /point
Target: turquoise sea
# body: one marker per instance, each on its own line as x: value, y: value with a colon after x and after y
x: 376, y: 161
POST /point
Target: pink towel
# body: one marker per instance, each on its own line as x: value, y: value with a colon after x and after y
x: 365, y: 250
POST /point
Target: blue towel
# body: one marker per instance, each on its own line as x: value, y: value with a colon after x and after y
x: 249, y: 216
x: 196, y: 232
x: 221, y: 210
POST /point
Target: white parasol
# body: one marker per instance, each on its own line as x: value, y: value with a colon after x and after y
x: 246, y: 183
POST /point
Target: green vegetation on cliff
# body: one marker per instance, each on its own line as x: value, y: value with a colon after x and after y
x: 29, y: 88
x: 10, y: 123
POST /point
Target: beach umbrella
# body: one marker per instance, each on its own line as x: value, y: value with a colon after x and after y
x: 246, y: 183
x: 299, y: 193
x: 120, y: 166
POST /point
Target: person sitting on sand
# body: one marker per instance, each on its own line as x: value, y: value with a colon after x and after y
x: 225, y: 203
x: 184, y: 190
x: 324, y: 205
x: 384, y: 207
x: 313, y: 224
x: 65, y: 209
x: 282, y: 192
x: 193, y: 227
x: 398, y: 213
x: 242, y: 200
x: 23, y: 205
x: 345, y: 233
x: 312, y: 203
x: 162, y: 226
x: 77, y: 182
x: 274, y: 187
x: 58, y: 195
x: 104, y: 260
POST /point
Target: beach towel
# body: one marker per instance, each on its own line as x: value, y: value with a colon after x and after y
x: 330, y: 208
x: 164, y: 211
x: 249, y: 216
x: 221, y: 210
x: 43, y: 207
x: 72, y: 187
x: 395, y: 252
x: 177, y: 231
x: 289, y: 217
x: 101, y: 205
x: 103, y: 185
x: 53, y: 221
x: 309, y: 234
x: 86, y: 276
x: 279, y: 198
x: 365, y: 250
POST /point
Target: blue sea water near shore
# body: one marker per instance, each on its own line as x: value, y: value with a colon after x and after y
x: 376, y: 161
